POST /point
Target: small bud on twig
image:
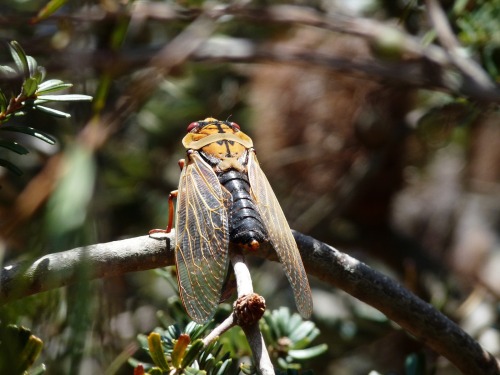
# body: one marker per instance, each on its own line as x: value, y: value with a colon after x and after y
x: 248, y: 309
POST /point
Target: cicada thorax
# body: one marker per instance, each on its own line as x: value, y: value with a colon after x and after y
x: 228, y: 155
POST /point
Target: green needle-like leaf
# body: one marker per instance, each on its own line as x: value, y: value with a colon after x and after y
x: 65, y: 98
x: 32, y: 65
x: 193, y: 371
x: 14, y: 146
x: 11, y: 167
x: 179, y: 350
x: 304, y: 330
x: 53, y: 85
x: 52, y: 111
x: 303, y: 354
x: 29, y: 86
x: 30, y: 352
x: 30, y: 131
x: 156, y: 351
x: 50, y: 8
x: 7, y: 72
x: 223, y: 367
x: 191, y: 353
x: 20, y: 58
x: 39, y: 74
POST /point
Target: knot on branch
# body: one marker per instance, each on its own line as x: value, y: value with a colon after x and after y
x: 248, y: 309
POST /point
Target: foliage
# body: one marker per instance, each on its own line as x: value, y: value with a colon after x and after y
x: 176, y: 351
x: 178, y: 347
x: 478, y: 29
x: 289, y: 338
x: 19, y: 349
x: 34, y: 91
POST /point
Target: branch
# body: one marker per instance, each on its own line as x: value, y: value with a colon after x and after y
x: 415, y: 316
x: 430, y: 66
x: 471, y: 71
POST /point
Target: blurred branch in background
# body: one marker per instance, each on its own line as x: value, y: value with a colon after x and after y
x: 323, y: 261
x: 429, y: 66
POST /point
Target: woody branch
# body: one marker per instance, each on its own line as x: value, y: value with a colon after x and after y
x: 415, y: 316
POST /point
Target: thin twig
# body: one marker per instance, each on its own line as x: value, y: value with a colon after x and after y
x: 321, y: 260
x: 470, y: 69
x: 226, y: 325
x: 252, y: 332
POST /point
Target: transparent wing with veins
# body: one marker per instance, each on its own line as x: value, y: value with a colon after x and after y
x: 202, y: 238
x: 280, y: 236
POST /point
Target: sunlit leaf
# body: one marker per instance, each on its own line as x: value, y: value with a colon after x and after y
x: 248, y: 369
x: 7, y: 72
x: 30, y: 352
x: 29, y: 86
x: 223, y: 367
x: 39, y: 74
x: 20, y: 58
x: 156, y: 351
x: 303, y: 354
x: 30, y: 131
x: 304, y: 330
x: 32, y: 65
x: 179, y: 350
x: 65, y: 98
x: 14, y: 146
x: 52, y: 111
x: 53, y: 83
x: 50, y: 8
x: 194, y: 371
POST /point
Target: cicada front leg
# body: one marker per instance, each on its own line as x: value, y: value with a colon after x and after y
x: 171, y: 208
x: 171, y: 197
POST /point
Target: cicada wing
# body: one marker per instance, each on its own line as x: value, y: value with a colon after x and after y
x: 202, y: 238
x: 280, y: 236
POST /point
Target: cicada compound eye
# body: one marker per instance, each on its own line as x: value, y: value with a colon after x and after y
x: 234, y: 125
x: 192, y: 126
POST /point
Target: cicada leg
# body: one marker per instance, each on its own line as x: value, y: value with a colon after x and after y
x: 171, y: 197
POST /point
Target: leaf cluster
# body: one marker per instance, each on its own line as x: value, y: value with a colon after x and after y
x: 19, y: 349
x: 34, y: 92
x: 177, y: 351
x: 289, y: 337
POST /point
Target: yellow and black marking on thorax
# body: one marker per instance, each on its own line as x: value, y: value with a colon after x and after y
x: 221, y: 143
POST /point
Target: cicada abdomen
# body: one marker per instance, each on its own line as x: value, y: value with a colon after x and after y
x: 224, y: 197
x: 245, y: 224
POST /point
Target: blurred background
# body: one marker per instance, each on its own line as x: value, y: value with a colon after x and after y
x: 373, y: 136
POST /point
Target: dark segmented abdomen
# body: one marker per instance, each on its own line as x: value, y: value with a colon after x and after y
x: 245, y: 223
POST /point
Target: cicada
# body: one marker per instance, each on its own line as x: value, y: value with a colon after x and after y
x: 224, y: 197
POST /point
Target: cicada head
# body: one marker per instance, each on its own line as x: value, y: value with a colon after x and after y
x: 204, y: 132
